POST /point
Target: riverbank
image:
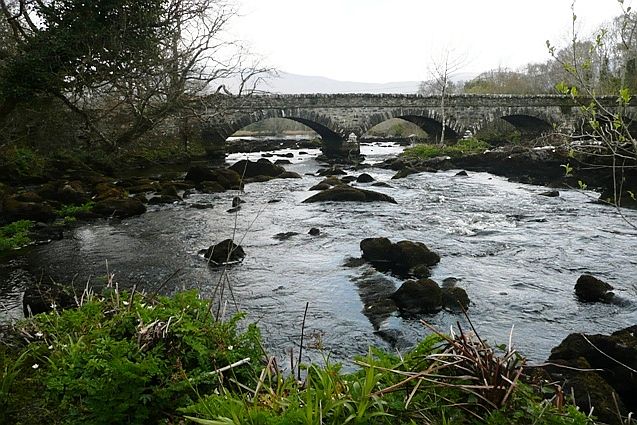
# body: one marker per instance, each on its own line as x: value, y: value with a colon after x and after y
x: 143, y: 358
x: 554, y: 166
x: 487, y: 231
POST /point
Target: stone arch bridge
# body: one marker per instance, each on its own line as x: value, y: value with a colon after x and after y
x: 336, y: 116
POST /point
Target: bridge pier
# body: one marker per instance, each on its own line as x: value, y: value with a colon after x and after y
x: 214, y: 144
x: 340, y: 148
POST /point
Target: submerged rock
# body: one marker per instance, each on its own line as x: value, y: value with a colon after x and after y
x: 225, y: 252
x: 284, y: 236
x: 349, y: 194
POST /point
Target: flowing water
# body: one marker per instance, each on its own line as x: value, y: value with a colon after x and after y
x: 517, y: 254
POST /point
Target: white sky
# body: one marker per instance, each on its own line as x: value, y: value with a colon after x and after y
x: 394, y: 40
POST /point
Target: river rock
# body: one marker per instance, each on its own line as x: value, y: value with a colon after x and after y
x: 615, y: 355
x: 14, y: 210
x: 284, y: 236
x: 412, y: 254
x: 348, y: 179
x: 120, y: 208
x: 226, y: 178
x: 237, y: 201
x: 590, y: 289
x: 455, y: 299
x: 407, y: 171
x: 210, y: 187
x: 364, y: 178
x: 251, y: 169
x: 161, y: 199
x: 314, y: 232
x: 72, y: 192
x: 381, y: 184
x: 224, y: 252
x: 27, y: 196
x: 289, y: 175
x: 550, y: 193
x: 334, y: 171
x: 320, y: 186
x: 418, y: 296
x: 462, y: 173
x: 349, y: 194
x: 404, y: 258
x: 282, y: 162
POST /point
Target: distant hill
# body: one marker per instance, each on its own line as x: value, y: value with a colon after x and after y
x: 286, y: 83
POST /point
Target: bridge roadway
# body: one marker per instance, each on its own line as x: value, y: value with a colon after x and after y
x: 336, y: 116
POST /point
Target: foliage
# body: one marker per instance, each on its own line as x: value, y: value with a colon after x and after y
x: 125, y: 358
x: 15, y: 235
x: 461, y: 148
x: 386, y: 390
x: 73, y: 210
x: 22, y: 162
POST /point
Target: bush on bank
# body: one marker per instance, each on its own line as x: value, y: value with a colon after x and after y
x: 122, y: 358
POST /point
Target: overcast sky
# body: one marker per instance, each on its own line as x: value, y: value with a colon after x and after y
x: 394, y: 40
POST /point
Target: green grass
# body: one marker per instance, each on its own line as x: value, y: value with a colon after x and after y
x: 461, y: 148
x: 15, y: 235
x: 122, y: 358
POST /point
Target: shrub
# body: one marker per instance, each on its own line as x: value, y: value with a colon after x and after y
x: 125, y: 359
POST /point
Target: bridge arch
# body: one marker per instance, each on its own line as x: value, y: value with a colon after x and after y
x: 321, y: 124
x: 529, y: 123
x: 430, y: 120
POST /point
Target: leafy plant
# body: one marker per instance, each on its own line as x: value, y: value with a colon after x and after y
x: 15, y: 235
x: 123, y: 358
x: 73, y: 210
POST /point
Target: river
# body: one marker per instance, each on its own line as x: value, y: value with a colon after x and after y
x: 517, y: 254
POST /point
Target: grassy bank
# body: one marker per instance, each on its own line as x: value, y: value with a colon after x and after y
x: 128, y: 358
x: 461, y: 148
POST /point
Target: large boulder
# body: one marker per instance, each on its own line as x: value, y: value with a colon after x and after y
x: 377, y: 250
x: 225, y: 252
x: 349, y: 194
x: 616, y: 357
x: 262, y: 167
x: 590, y: 289
x: 412, y: 254
x: 404, y: 257
x: 419, y: 296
